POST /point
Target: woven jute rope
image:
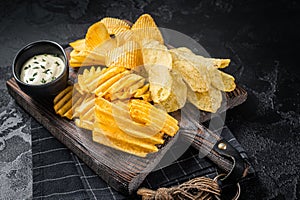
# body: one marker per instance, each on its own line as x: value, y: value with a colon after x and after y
x: 201, y: 188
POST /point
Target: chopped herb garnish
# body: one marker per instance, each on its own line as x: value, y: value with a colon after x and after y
x: 34, y: 58
x: 26, y: 81
x: 34, y: 74
x: 43, y: 80
x: 45, y: 54
x: 51, y: 72
x: 53, y: 78
x: 36, y: 62
x: 56, y: 63
x: 31, y: 79
x: 43, y: 67
x: 27, y: 67
x: 56, y: 55
x: 43, y: 60
x: 46, y: 71
x: 36, y: 67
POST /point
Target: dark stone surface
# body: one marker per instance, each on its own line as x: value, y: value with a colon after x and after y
x: 261, y: 38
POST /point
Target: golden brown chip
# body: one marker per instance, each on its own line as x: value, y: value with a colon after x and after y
x: 116, y: 115
x: 88, y: 76
x: 114, y: 138
x: 96, y: 35
x: 87, y: 104
x: 145, y: 113
x: 128, y: 55
x: 62, y: 98
x: 178, y: 95
x: 102, y: 88
x: 194, y: 74
x: 78, y: 45
x: 219, y: 63
x: 209, y: 101
x: 145, y: 29
x: 123, y: 37
x: 85, y: 58
x: 102, y: 77
x: 62, y: 94
x: 221, y: 80
x: 86, y: 124
x: 114, y: 25
x: 158, y: 62
x: 125, y: 87
x: 63, y: 102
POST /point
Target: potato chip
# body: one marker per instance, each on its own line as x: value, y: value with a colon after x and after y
x: 96, y: 35
x: 142, y: 90
x: 85, y: 106
x: 87, y: 77
x: 158, y: 62
x: 62, y: 94
x: 85, y: 58
x: 116, y: 115
x: 78, y: 45
x: 114, y: 25
x: 116, y: 139
x: 62, y: 98
x: 221, y: 80
x: 125, y: 87
x: 145, y: 29
x: 187, y: 54
x: 145, y: 113
x: 209, y: 101
x: 85, y: 124
x: 123, y: 37
x: 198, y: 80
x: 102, y: 77
x: 128, y: 55
x: 102, y: 88
x: 178, y: 95
x: 219, y: 63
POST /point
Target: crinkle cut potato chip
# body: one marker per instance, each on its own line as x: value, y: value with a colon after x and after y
x: 145, y: 28
x: 128, y: 55
x: 96, y: 35
x: 125, y: 87
x: 103, y: 88
x: 87, y: 77
x: 115, y: 128
x: 63, y: 102
x: 109, y: 131
x: 117, y: 114
x: 123, y: 37
x: 115, y: 26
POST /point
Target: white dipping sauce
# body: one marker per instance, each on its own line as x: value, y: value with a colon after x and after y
x: 42, y: 69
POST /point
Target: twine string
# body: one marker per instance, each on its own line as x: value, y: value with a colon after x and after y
x: 201, y: 188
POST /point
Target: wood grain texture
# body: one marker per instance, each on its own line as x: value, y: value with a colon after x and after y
x: 120, y: 170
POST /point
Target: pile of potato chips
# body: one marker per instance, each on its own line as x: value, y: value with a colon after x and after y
x: 126, y: 103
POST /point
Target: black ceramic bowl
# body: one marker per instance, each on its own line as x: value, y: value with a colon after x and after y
x: 35, y: 48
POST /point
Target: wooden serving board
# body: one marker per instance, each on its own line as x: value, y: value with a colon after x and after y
x: 120, y: 170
